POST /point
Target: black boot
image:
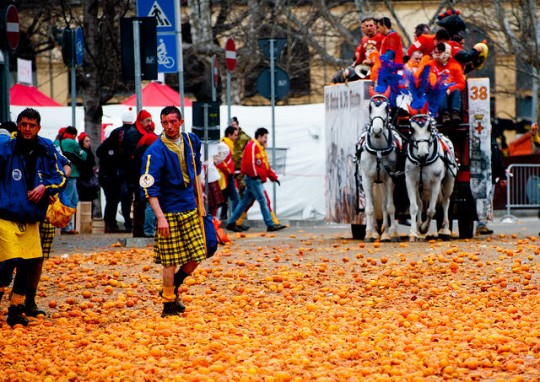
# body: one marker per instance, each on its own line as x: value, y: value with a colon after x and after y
x: 170, y: 309
x: 30, y: 307
x: 15, y: 316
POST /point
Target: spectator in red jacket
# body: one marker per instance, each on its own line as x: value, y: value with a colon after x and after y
x: 257, y: 171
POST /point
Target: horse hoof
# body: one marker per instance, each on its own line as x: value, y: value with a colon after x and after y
x: 413, y: 238
x: 385, y: 238
x: 444, y: 237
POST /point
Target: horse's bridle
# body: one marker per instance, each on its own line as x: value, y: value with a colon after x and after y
x: 433, y: 142
x: 378, y: 100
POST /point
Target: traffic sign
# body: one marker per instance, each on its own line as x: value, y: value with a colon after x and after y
x: 281, y: 80
x: 67, y: 46
x: 79, y: 46
x: 147, y: 47
x: 230, y: 55
x: 12, y: 27
x: 279, y: 44
x: 215, y: 71
x: 166, y: 53
x: 162, y: 10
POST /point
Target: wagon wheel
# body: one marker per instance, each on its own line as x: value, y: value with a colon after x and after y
x: 466, y: 209
x: 358, y: 231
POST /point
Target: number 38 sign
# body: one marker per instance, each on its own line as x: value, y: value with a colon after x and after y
x: 480, y: 144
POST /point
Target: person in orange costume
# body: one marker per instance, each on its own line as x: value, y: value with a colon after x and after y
x: 448, y: 69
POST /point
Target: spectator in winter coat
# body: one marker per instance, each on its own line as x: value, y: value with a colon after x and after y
x: 70, y: 148
x: 87, y: 184
x: 115, y: 160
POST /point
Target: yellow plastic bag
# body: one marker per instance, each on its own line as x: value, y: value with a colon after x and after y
x: 58, y: 214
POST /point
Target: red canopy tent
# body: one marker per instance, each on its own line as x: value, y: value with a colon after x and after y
x: 22, y: 95
x: 521, y: 146
x: 157, y: 94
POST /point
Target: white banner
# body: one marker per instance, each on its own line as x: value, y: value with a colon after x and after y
x: 24, y: 71
x: 480, y: 146
x: 347, y: 112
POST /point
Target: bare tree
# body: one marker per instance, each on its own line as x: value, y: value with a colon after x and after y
x: 100, y: 77
x: 314, y: 30
x: 513, y: 28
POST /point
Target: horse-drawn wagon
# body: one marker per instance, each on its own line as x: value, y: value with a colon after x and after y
x: 347, y: 115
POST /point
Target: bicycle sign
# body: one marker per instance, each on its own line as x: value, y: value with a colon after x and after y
x: 166, y: 53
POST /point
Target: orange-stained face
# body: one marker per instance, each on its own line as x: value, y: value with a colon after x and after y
x: 28, y: 128
x: 171, y: 125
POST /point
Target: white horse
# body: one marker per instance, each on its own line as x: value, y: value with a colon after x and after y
x: 430, y: 170
x: 378, y: 159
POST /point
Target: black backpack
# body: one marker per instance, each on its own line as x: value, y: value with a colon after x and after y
x: 129, y: 141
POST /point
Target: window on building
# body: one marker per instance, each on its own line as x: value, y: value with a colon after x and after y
x: 347, y: 50
x: 524, y: 90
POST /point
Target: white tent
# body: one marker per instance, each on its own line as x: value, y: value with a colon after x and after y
x: 299, y: 130
x: 299, y: 133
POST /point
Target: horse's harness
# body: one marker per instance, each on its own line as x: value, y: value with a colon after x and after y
x: 433, y: 144
x: 380, y: 153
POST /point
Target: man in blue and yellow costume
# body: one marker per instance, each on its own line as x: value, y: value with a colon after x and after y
x: 29, y: 175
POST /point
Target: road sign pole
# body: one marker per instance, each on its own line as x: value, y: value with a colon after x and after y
x: 73, y: 83
x: 230, y: 63
x: 206, y: 191
x: 137, y: 63
x: 11, y: 37
x: 214, y: 84
x: 4, y: 82
x: 228, y: 97
x: 273, y: 100
x: 180, y: 55
x: 73, y: 97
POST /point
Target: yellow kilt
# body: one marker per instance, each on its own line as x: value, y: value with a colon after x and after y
x: 19, y: 240
x: 46, y: 235
x: 185, y: 242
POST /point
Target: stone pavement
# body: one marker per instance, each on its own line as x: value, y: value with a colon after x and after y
x: 526, y: 224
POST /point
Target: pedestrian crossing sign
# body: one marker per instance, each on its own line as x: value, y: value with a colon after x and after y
x: 162, y: 10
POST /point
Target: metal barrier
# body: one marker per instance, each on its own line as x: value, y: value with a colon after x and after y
x: 523, y: 188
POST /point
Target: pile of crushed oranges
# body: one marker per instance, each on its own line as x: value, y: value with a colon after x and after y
x: 309, y: 308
